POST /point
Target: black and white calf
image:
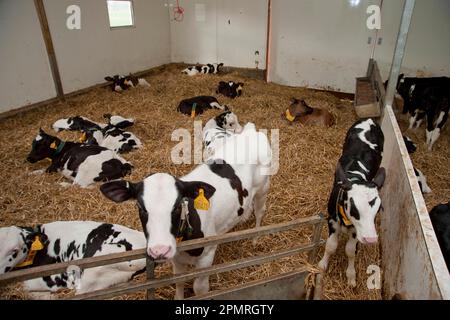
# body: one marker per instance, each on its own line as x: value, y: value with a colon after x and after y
x: 77, y: 123
x: 120, y: 83
x: 114, y: 139
x: 197, y: 105
x: 440, y: 218
x: 84, y: 164
x: 210, y: 200
x: 422, y: 180
x: 66, y: 241
x: 213, y: 68
x: 217, y: 129
x: 354, y: 200
x: 410, y: 145
x: 230, y: 89
x: 118, y: 121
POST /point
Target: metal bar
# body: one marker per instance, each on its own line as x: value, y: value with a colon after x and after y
x: 40, y: 9
x: 220, y: 268
x: 26, y: 274
x: 397, y: 60
x: 288, y: 281
x: 316, y: 239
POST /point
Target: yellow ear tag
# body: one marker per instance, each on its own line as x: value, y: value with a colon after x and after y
x: 346, y: 220
x: 193, y: 114
x: 179, y: 239
x: 289, y: 116
x: 37, y: 244
x: 201, y: 203
x: 35, y: 247
x: 53, y: 145
x: 83, y: 137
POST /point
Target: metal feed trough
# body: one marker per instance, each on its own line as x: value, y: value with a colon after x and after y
x: 289, y: 285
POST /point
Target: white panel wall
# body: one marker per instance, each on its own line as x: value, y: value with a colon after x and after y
x: 25, y: 75
x: 231, y: 33
x: 86, y: 56
x: 428, y: 47
x: 319, y: 43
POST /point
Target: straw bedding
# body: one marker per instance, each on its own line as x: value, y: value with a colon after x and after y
x: 300, y: 188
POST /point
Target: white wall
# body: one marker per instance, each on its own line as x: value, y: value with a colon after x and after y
x: 25, y: 75
x: 319, y: 43
x: 428, y: 47
x: 86, y: 56
x: 231, y: 33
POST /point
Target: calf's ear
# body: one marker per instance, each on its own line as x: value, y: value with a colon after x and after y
x: 379, y: 177
x: 109, y: 79
x: 119, y: 191
x: 191, y: 189
x: 341, y: 179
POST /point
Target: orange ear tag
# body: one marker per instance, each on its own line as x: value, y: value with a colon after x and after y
x: 53, y: 145
x: 346, y: 220
x: 83, y: 138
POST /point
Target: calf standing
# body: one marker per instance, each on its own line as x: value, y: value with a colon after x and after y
x: 210, y: 200
x: 84, y: 164
x: 299, y: 111
x: 354, y: 200
x: 197, y: 105
x: 25, y: 247
x: 440, y: 218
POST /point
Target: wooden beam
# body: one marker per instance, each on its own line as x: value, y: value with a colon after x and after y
x: 219, y: 268
x: 27, y: 274
x: 40, y: 9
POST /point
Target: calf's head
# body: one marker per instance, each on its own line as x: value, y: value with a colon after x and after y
x: 159, y: 199
x: 229, y: 121
x: 16, y: 244
x: 43, y: 146
x: 361, y: 203
x: 299, y: 108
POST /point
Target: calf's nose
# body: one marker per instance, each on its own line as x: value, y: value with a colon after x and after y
x: 370, y: 240
x: 158, y: 251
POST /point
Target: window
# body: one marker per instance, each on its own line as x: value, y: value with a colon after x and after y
x: 120, y: 13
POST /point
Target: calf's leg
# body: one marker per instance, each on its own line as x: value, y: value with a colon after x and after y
x: 350, y: 251
x: 177, y: 269
x: 201, y: 284
x: 259, y: 205
x: 331, y: 244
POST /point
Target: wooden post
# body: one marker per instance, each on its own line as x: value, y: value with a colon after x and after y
x: 40, y: 9
x: 150, y: 276
x: 269, y: 38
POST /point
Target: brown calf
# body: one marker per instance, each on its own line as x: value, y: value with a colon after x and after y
x: 299, y: 111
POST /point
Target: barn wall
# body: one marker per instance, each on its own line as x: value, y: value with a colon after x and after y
x: 25, y: 74
x: 319, y: 43
x: 230, y: 31
x: 428, y: 46
x: 412, y: 262
x: 86, y: 56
